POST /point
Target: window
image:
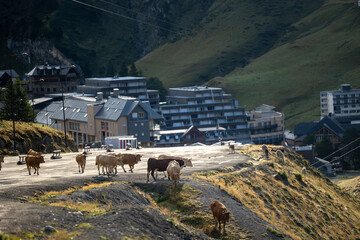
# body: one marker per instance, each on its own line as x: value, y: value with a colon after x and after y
x: 142, y: 134
x: 135, y: 124
x: 104, y: 126
x: 141, y: 115
x: 142, y: 124
x: 134, y: 115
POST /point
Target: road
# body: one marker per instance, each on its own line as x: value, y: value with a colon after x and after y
x: 203, y: 158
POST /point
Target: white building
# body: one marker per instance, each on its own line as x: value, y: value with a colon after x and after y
x: 344, y: 102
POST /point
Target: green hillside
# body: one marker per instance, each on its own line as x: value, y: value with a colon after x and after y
x: 300, y: 58
x: 319, y: 54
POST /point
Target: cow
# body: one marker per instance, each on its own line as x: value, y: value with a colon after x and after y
x: 1, y: 160
x: 160, y: 164
x: 265, y: 151
x: 109, y: 162
x: 173, y: 170
x: 33, y: 153
x: 81, y: 161
x: 34, y: 161
x: 220, y: 214
x: 131, y: 159
x: 187, y: 161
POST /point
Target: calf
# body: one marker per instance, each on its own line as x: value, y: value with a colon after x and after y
x: 173, y: 170
x: 220, y: 213
x: 160, y: 165
x: 81, y: 161
x: 34, y: 161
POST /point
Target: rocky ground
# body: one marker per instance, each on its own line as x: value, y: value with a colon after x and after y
x: 131, y: 214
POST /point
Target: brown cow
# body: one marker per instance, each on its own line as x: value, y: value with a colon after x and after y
x: 81, y: 161
x: 34, y: 161
x: 131, y: 159
x: 1, y: 160
x: 109, y: 162
x: 220, y: 213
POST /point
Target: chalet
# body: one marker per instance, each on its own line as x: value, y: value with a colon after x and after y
x: 5, y: 75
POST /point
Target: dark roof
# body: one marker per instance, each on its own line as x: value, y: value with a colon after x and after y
x: 10, y: 72
x: 303, y: 128
x: 330, y: 123
x: 63, y: 70
x: 114, y: 108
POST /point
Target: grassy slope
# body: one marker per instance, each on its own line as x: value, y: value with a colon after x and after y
x: 302, y: 206
x: 232, y: 33
x: 32, y: 135
x: 320, y: 55
x: 319, y: 52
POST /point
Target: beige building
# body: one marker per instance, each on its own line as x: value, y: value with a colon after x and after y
x: 266, y: 125
x: 90, y: 121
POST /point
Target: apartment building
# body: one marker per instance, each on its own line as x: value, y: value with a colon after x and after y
x: 344, y: 102
x: 127, y: 86
x: 204, y: 107
x: 266, y: 125
x: 49, y: 79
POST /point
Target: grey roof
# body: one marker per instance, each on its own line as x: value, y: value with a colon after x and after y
x: 330, y: 123
x: 264, y: 108
x: 75, y: 109
x: 11, y: 72
x: 114, y: 108
x: 64, y: 70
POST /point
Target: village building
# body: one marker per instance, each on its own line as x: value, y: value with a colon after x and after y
x: 266, y: 125
x: 204, y: 107
x: 49, y: 79
x: 5, y: 75
x: 127, y: 86
x: 181, y: 137
x: 90, y: 120
x: 344, y: 102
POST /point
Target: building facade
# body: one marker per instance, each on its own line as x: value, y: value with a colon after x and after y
x: 126, y: 86
x: 91, y: 121
x: 266, y: 125
x: 49, y: 79
x: 5, y: 75
x: 344, y: 102
x: 204, y: 107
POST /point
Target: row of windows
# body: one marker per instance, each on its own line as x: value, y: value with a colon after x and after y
x: 41, y: 90
x: 74, y: 126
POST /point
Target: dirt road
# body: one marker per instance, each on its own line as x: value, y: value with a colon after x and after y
x: 203, y: 158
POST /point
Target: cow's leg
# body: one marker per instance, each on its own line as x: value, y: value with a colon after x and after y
x: 131, y: 168
x: 37, y: 170
x: 219, y: 226
x: 224, y: 227
x: 29, y: 169
x: 79, y: 167
x: 122, y: 165
x: 147, y: 176
x: 152, y: 174
x: 99, y: 169
x: 83, y: 169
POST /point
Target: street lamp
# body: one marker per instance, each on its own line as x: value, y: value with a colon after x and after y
x: 63, y: 105
x: 13, y: 99
x: 63, y: 109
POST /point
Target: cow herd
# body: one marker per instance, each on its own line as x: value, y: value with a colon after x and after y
x: 107, y: 164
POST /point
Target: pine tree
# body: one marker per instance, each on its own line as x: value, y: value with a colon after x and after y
x: 16, y: 104
x: 133, y: 71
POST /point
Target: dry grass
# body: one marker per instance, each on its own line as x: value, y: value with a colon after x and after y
x: 352, y: 186
x: 184, y: 210
x: 92, y: 208
x: 311, y: 206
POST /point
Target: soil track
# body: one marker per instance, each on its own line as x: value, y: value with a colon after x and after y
x: 131, y: 214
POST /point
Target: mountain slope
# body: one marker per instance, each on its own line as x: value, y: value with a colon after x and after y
x: 320, y: 54
x: 287, y: 68
x: 231, y: 34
